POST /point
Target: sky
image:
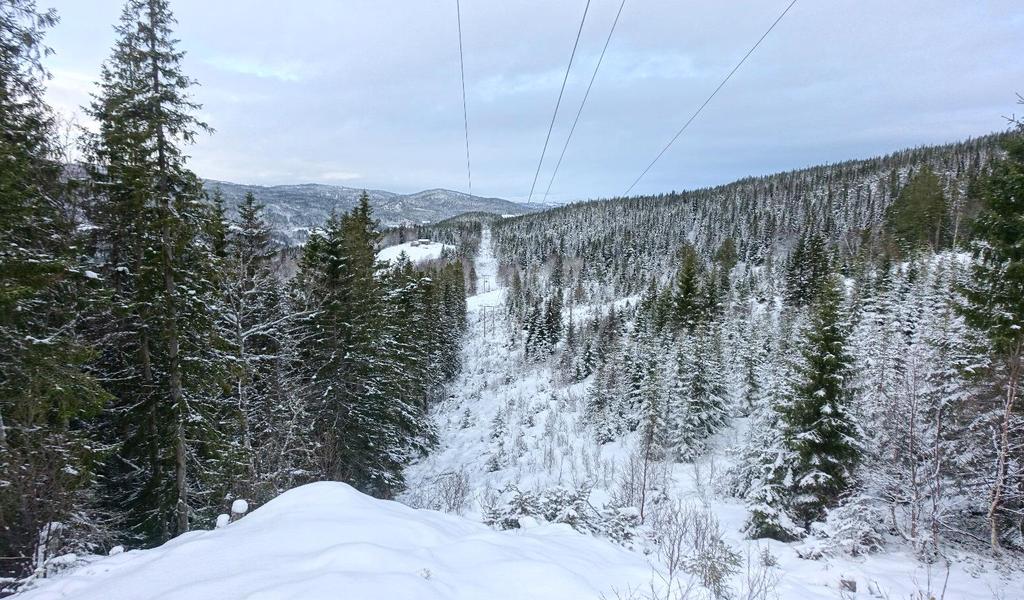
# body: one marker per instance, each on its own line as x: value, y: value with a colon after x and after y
x: 366, y: 93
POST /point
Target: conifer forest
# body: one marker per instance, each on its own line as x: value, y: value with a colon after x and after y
x: 805, y: 384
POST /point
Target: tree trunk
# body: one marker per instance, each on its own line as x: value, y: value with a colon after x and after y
x: 936, y: 479
x: 177, y: 396
x: 244, y: 381
x: 912, y: 456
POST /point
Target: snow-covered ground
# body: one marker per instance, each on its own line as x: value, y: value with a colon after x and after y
x: 506, y: 422
x: 416, y: 251
x: 327, y: 541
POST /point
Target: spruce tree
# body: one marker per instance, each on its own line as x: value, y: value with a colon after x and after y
x: 819, y: 429
x: 807, y: 270
x: 795, y: 281
x: 47, y: 399
x: 155, y: 247
x: 919, y: 215
x: 369, y: 419
x: 688, y: 307
x: 761, y: 477
x: 536, y: 343
x: 679, y: 388
x: 697, y: 409
x: 553, y: 318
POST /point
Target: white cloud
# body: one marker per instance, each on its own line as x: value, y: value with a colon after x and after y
x: 339, y: 176
x: 631, y: 66
x: 288, y: 70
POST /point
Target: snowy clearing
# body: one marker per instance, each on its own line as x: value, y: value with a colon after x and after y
x: 416, y: 251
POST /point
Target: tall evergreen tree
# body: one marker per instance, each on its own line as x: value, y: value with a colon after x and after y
x: 919, y: 215
x: 819, y: 429
x: 706, y: 411
x: 762, y: 478
x: 687, y: 305
x: 807, y: 270
x: 47, y: 399
x: 370, y: 420
x: 553, y: 318
x: 160, y: 356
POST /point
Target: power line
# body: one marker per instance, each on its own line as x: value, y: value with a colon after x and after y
x: 584, y: 103
x: 559, y: 102
x: 713, y: 94
x: 465, y: 113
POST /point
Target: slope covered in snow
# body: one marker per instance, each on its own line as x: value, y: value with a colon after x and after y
x: 328, y: 541
x: 511, y: 426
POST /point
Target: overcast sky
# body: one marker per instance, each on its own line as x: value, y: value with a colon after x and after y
x: 365, y: 93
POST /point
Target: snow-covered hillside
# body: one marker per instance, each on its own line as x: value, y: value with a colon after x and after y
x: 510, y: 429
x: 327, y: 541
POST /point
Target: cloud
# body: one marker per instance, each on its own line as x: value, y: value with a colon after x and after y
x: 630, y: 66
x: 288, y: 71
x: 498, y: 86
x: 67, y: 91
x: 339, y: 176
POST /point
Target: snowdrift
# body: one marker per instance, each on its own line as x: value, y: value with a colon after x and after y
x: 326, y: 540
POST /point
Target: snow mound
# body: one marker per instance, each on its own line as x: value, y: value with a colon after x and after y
x: 326, y: 540
x: 416, y: 251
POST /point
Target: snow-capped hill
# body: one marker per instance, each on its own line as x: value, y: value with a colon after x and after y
x: 442, y: 198
x: 416, y: 251
x: 294, y: 210
x: 325, y: 539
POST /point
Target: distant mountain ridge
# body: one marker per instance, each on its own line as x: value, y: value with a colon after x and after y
x: 294, y: 210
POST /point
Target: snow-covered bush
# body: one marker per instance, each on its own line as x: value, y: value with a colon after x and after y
x: 511, y: 506
x: 570, y: 506
x: 767, y: 519
x: 498, y: 427
x: 850, y: 528
x: 620, y: 524
x: 497, y: 460
x: 562, y: 505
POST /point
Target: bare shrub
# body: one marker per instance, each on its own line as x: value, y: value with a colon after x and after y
x: 931, y: 589
x: 448, y: 492
x: 690, y: 539
x: 641, y: 482
x: 760, y: 579
x: 660, y: 588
